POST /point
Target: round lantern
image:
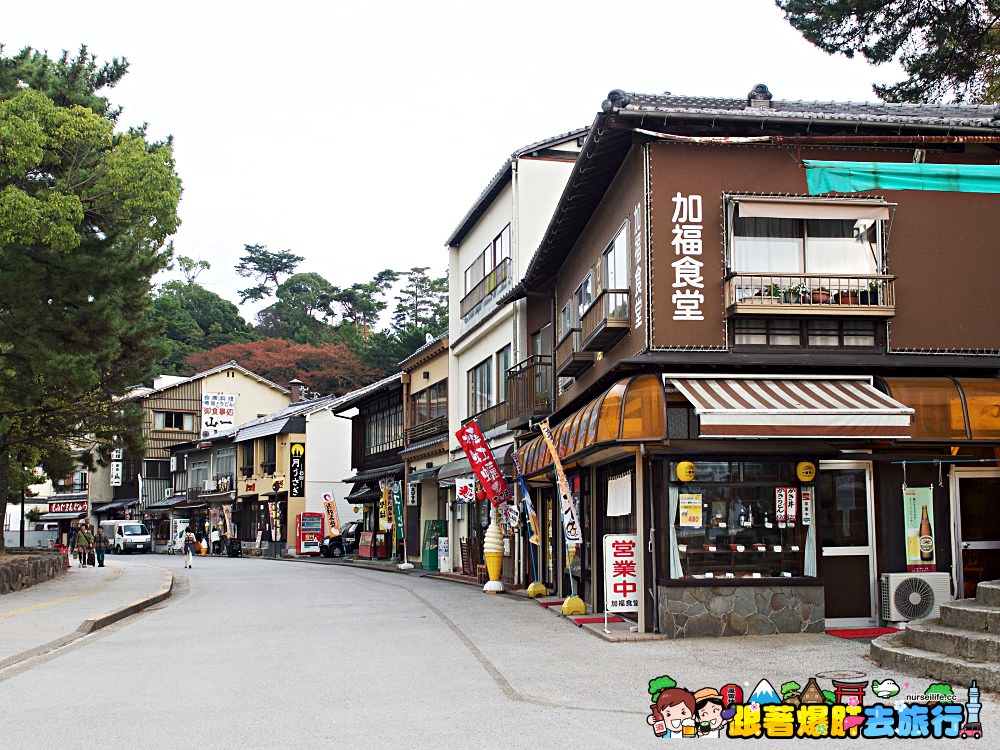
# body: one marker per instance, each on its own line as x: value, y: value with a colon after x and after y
x: 685, y: 471
x: 805, y: 471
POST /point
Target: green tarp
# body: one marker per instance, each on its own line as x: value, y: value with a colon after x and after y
x: 855, y: 176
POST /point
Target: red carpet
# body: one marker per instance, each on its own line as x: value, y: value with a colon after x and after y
x: 590, y: 619
x: 861, y: 632
x: 556, y: 603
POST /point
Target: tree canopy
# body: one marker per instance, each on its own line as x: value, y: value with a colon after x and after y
x: 85, y: 214
x: 266, y: 267
x: 949, y: 50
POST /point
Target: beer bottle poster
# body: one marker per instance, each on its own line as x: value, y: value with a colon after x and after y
x: 920, y: 532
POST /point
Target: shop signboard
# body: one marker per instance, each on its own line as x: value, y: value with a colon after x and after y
x: 274, y: 509
x: 918, y: 525
x: 484, y: 463
x: 218, y: 413
x: 310, y: 533
x: 397, y: 509
x: 116, y: 473
x: 297, y: 470
x: 621, y: 573
x: 79, y: 506
x: 807, y: 505
x: 384, y: 508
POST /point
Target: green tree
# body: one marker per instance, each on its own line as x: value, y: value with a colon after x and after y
x: 422, y: 302
x: 301, y: 311
x: 85, y: 214
x: 360, y: 304
x: 948, y: 49
x: 266, y: 267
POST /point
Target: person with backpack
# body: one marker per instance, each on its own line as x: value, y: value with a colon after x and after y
x: 189, y: 540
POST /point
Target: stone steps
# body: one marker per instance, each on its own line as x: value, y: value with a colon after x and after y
x: 961, y: 645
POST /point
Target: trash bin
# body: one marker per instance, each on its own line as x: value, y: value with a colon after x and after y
x: 235, y: 548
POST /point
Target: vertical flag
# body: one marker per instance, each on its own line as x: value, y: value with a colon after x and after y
x: 571, y: 524
x: 384, y: 507
x: 529, y: 507
x: 484, y: 463
x: 397, y: 509
x: 332, y: 517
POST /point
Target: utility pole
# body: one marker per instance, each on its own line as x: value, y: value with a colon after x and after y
x: 22, y: 517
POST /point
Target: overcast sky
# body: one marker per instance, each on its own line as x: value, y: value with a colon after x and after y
x: 358, y: 134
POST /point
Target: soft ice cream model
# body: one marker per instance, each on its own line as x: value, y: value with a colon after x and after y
x: 493, y: 552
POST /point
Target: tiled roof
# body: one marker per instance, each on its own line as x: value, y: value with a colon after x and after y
x: 142, y: 392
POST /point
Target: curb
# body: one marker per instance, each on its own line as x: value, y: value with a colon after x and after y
x: 93, y: 623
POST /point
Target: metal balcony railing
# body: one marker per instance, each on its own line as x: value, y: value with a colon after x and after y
x: 529, y: 392
x: 607, y: 321
x: 811, y: 294
x: 492, y: 281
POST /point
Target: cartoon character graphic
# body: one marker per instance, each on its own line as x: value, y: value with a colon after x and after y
x: 712, y: 714
x: 673, y: 709
x: 885, y: 688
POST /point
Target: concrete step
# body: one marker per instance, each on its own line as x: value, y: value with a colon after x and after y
x: 890, y: 652
x: 971, y: 615
x: 988, y: 592
x: 934, y: 635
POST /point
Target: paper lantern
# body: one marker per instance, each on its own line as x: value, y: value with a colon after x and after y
x: 685, y: 471
x: 805, y: 471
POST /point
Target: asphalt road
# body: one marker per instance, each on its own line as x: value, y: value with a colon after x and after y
x: 274, y: 654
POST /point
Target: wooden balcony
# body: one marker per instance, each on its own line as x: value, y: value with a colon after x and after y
x: 571, y: 360
x: 490, y: 283
x: 494, y: 416
x: 811, y: 294
x: 607, y: 321
x: 425, y: 430
x: 529, y: 393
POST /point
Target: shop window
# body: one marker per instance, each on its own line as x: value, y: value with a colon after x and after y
x: 725, y: 523
x: 156, y: 469
x: 826, y: 333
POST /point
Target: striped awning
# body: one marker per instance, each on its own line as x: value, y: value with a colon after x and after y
x: 793, y: 407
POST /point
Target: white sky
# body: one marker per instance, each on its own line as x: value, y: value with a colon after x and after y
x: 359, y: 134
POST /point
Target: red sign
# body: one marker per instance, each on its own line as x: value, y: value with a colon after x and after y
x: 484, y: 463
x: 68, y: 507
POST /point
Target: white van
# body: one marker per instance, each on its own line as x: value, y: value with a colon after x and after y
x: 128, y: 536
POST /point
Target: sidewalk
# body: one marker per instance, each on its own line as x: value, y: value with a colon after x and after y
x: 51, y: 614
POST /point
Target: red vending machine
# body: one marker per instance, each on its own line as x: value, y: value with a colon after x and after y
x: 310, y: 533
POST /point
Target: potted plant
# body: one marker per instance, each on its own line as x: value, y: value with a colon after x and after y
x: 872, y: 295
x: 819, y: 296
x: 769, y: 293
x: 847, y: 297
x: 796, y: 294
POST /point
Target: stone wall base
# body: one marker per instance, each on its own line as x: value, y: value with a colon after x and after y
x: 691, y: 611
x: 32, y: 567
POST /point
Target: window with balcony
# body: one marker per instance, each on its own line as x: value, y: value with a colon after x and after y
x: 225, y: 461
x: 487, y: 272
x: 819, y: 333
x: 383, y: 424
x: 480, y: 386
x: 503, y: 364
x: 173, y: 420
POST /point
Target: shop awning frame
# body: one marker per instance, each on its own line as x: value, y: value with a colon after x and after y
x: 61, y: 516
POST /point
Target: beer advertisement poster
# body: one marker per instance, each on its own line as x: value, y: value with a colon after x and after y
x: 918, y: 526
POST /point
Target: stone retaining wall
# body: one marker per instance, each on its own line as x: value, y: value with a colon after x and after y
x: 740, y: 610
x: 33, y: 567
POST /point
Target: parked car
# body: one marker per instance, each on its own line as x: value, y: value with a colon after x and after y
x: 332, y: 546
x: 351, y: 534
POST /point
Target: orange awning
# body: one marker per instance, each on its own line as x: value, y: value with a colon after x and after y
x: 951, y: 409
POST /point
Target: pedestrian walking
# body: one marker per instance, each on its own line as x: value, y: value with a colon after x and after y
x: 84, y: 544
x: 189, y: 540
x: 101, y: 544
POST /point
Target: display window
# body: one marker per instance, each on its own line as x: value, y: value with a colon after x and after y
x: 740, y: 520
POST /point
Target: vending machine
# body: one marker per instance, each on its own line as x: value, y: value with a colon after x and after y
x: 310, y: 533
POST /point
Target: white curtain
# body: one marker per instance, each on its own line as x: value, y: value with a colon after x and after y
x: 809, y: 563
x: 675, y: 555
x: 620, y: 496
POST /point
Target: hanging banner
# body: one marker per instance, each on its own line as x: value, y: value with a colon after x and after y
x: 227, y: 514
x: 529, y: 508
x: 918, y: 525
x: 780, y: 504
x: 384, y: 507
x: 484, y: 463
x: 621, y: 573
x: 690, y: 511
x: 332, y: 517
x: 792, y: 503
x: 274, y: 509
x: 465, y: 490
x: 570, y: 523
x: 397, y: 509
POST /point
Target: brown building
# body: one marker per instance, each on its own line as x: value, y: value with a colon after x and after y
x: 811, y: 336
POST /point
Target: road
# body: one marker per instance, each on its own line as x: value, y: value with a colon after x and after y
x: 278, y: 654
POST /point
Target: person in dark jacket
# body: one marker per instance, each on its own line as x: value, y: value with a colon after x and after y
x: 101, y: 544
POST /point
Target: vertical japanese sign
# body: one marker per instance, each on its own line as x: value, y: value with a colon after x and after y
x: 484, y: 463
x: 918, y: 525
x: 227, y: 513
x: 116, y: 467
x: 218, y: 413
x: 792, y: 503
x: 297, y: 470
x: 332, y: 517
x: 384, y: 507
x: 621, y: 573
x: 274, y: 509
x: 688, y: 296
x: 781, y: 504
x: 397, y: 509
x: 807, y: 505
x: 529, y: 508
x: 570, y: 523
x: 637, y: 263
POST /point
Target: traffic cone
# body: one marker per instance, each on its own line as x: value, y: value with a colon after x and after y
x: 66, y: 550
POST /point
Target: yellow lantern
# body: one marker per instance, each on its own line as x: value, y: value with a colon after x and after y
x: 685, y: 471
x: 805, y: 471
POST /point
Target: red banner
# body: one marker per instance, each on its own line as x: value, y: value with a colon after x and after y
x: 68, y: 507
x: 484, y: 463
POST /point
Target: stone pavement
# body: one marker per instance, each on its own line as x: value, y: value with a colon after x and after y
x: 52, y: 614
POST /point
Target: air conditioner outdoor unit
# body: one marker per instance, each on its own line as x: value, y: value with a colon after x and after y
x: 913, y: 596
x: 209, y: 485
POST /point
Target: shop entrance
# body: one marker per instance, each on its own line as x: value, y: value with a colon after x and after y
x: 846, y: 526
x: 977, y: 532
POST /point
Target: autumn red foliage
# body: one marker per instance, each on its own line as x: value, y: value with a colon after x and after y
x: 329, y: 369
